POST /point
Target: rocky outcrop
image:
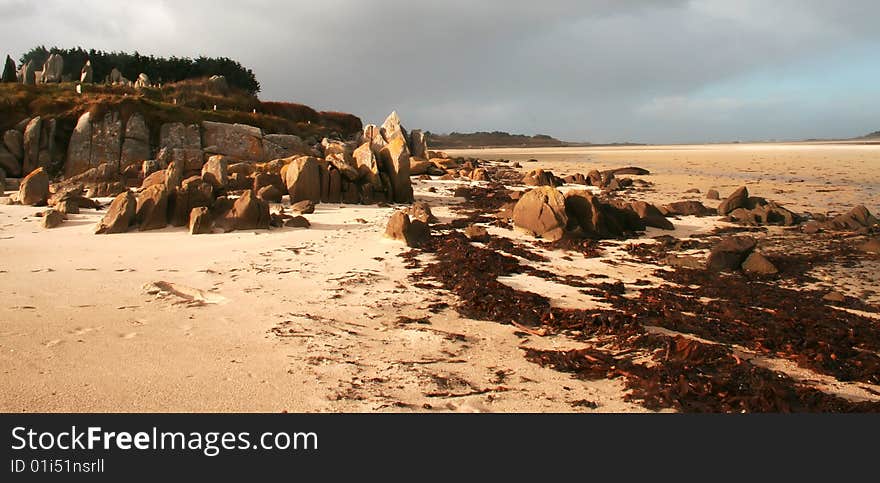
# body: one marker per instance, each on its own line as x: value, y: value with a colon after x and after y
x: 142, y: 81
x: 214, y: 172
x: 200, y: 222
x: 120, y: 216
x: 541, y: 212
x: 401, y: 228
x: 136, y: 144
x: 28, y: 73
x: 597, y: 219
x: 34, y: 188
x: 102, y: 181
x: 278, y: 146
x: 238, y: 141
x: 736, y: 200
x: 95, y: 142
x: 182, y: 144
x: 651, y: 215
x: 248, y: 213
x: 395, y: 160
x: 303, y: 179
x: 392, y: 129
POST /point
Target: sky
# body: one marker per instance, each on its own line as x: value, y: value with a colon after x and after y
x: 589, y: 70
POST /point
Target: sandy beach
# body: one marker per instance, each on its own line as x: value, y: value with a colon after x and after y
x: 329, y: 319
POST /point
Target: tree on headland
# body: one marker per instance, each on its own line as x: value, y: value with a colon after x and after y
x: 159, y: 69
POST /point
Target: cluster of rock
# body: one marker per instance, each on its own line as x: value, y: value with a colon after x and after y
x: 51, y: 73
x: 738, y: 253
x: 752, y: 210
x: 608, y: 180
x: 546, y: 213
x: 858, y: 220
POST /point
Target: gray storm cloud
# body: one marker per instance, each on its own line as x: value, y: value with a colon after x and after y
x: 580, y: 70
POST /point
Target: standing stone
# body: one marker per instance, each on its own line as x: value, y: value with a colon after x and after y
x: 52, y: 69
x: 152, y: 208
x: 418, y: 144
x: 119, y: 216
x: 366, y: 164
x: 86, y: 74
x: 541, y: 213
x: 9, y: 74
x: 372, y: 135
x: 79, y: 148
x: 395, y: 162
x: 28, y: 73
x: 200, y: 222
x: 303, y: 180
x: 136, y: 144
x: 115, y: 77
x: 31, y: 160
x: 143, y: 80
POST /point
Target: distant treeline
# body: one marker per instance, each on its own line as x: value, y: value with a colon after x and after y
x: 159, y: 69
x: 491, y: 139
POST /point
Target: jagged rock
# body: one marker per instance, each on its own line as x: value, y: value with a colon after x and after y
x: 347, y: 169
x: 736, y: 200
x: 101, y: 181
x: 597, y: 219
x: 192, y: 192
x: 367, y: 165
x: 214, y: 172
x: 151, y: 212
x: 730, y: 253
x: 248, y: 213
x: 413, y: 233
x: 304, y: 207
x: 9, y: 71
x: 421, y: 211
x: 297, y: 222
x: 395, y: 160
x: 86, y: 75
x: 34, y: 188
x: 238, y: 141
x: 119, y: 216
x: 200, y: 221
x: 541, y: 212
x: 303, y: 179
x: 758, y: 264
x: 418, y: 144
x: 688, y: 208
x: 392, y: 129
x: 68, y: 207
x: 713, y: 195
x: 477, y: 233
x: 651, y: 215
x: 32, y: 132
x: 136, y: 142
x: 52, y: 219
x: 278, y: 146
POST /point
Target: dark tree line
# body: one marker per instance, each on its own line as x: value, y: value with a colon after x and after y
x: 159, y: 69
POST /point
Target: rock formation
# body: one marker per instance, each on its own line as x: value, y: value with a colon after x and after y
x: 9, y: 71
x: 541, y: 212
x: 87, y: 75
x: 34, y: 189
x: 120, y: 216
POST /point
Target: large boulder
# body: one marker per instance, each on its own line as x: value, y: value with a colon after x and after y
x: 651, y: 215
x: 395, y: 160
x: 303, y: 179
x: 34, y: 188
x: 737, y: 199
x: 152, y: 208
x: 730, y: 253
x: 541, y: 212
x: 859, y: 218
x: 345, y: 165
x: 214, y: 172
x: 401, y: 228
x: 200, y: 222
x: 688, y: 208
x: 758, y: 264
x: 277, y: 146
x: 182, y: 144
x: 597, y: 219
x: 367, y: 165
x: 32, y: 134
x: 95, y: 142
x: 136, y: 142
x: 239, y: 141
x: 120, y: 216
x: 248, y: 213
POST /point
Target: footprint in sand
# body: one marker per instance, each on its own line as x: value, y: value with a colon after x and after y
x: 130, y: 335
x: 52, y: 343
x: 82, y: 330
